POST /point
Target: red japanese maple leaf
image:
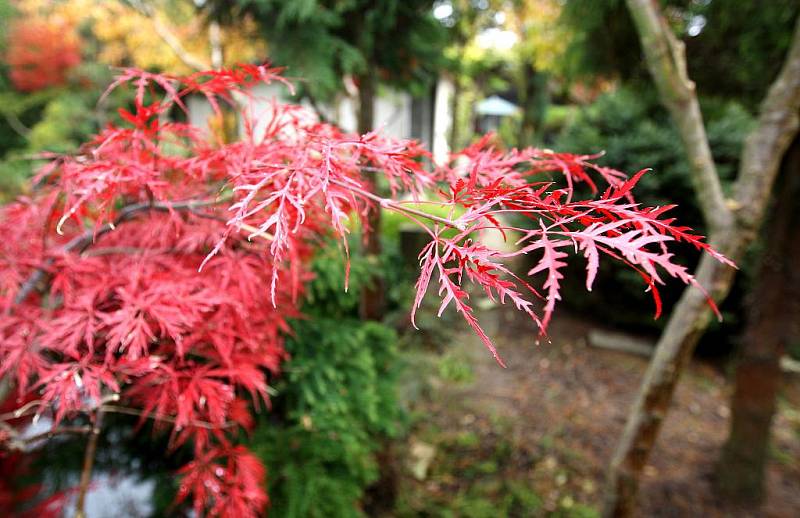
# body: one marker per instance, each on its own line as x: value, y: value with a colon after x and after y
x: 155, y: 272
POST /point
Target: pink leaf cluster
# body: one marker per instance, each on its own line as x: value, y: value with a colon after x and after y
x: 156, y: 271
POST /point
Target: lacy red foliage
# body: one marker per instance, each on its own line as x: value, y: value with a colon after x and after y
x: 104, y: 309
x: 40, y: 54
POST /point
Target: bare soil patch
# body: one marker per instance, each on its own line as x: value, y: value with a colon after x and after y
x: 535, y: 439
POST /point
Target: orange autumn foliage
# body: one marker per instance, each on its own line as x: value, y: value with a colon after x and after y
x: 40, y: 54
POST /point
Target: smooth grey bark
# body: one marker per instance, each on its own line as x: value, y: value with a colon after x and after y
x: 666, y: 61
x: 732, y: 223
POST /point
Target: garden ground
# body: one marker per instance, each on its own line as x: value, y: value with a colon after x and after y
x: 534, y: 439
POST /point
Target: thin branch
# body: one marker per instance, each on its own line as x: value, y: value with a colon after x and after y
x: 17, y: 443
x: 168, y: 36
x: 125, y: 250
x: 666, y: 60
x: 255, y: 231
x: 138, y: 413
x: 392, y: 205
x: 23, y: 443
x: 62, y: 430
x: 21, y: 411
x: 32, y: 281
x: 88, y: 464
x: 16, y: 124
x: 764, y: 148
x: 83, y: 241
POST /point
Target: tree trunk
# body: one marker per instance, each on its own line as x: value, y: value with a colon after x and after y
x: 685, y: 327
x: 773, y: 311
x: 666, y: 61
x: 372, y: 303
x: 366, y: 101
x: 733, y: 225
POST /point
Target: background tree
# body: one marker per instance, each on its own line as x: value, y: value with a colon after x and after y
x: 467, y: 62
x: 773, y: 319
x: 733, y: 224
x: 603, y: 43
x: 511, y: 47
x: 44, y: 102
x: 60, y: 110
x: 185, y: 40
x: 541, y: 47
x: 745, y: 43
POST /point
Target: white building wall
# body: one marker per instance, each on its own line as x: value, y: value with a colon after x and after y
x: 260, y: 108
x: 346, y: 113
x: 200, y: 112
x: 393, y: 113
x: 443, y: 118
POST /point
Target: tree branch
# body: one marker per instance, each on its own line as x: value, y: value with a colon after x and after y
x: 764, y: 148
x: 22, y: 444
x: 390, y: 204
x: 116, y: 409
x: 15, y: 124
x: 88, y: 464
x: 168, y: 36
x: 81, y: 242
x: 731, y: 236
x: 666, y: 60
x: 21, y: 411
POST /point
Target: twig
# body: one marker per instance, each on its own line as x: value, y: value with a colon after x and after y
x: 114, y: 409
x: 124, y: 250
x: 255, y: 231
x: 88, y: 464
x: 21, y: 411
x: 138, y: 413
x: 15, y: 124
x: 21, y: 444
x: 168, y: 36
x: 390, y: 204
x: 58, y: 431
x: 81, y: 242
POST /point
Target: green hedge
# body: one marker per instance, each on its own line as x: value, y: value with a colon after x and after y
x: 635, y: 133
x: 336, y: 403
